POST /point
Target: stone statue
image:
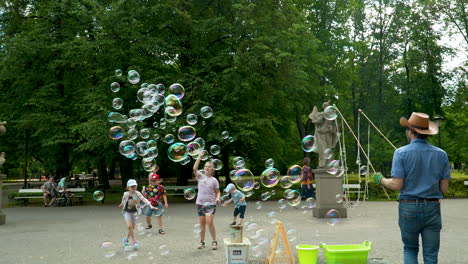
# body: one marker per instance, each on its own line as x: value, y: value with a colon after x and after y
x: 326, y: 135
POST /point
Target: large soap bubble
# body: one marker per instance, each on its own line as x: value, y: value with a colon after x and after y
x: 177, y: 152
x: 270, y: 177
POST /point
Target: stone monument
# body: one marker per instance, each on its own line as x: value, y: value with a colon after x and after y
x: 2, y: 176
x: 327, y: 185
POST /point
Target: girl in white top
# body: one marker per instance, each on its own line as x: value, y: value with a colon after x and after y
x: 207, y: 198
x: 130, y: 207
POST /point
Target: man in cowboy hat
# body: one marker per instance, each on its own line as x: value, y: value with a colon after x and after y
x: 420, y: 171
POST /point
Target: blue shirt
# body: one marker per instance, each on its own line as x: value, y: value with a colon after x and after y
x: 236, y: 196
x: 421, y: 166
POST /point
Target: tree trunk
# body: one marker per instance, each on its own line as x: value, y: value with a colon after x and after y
x: 112, y: 170
x: 102, y: 173
x: 126, y: 170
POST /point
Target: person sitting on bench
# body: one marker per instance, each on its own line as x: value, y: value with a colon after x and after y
x: 50, y: 191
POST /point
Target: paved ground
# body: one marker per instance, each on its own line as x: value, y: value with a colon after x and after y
x: 74, y: 234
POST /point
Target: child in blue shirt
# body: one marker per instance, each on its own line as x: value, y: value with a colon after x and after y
x: 239, y: 202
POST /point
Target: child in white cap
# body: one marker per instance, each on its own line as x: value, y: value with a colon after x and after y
x: 239, y: 202
x: 130, y: 207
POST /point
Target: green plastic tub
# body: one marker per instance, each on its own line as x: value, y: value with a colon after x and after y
x: 346, y: 254
x: 307, y: 254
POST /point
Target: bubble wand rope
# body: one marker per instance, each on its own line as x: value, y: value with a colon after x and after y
x: 380, y: 132
x: 362, y: 149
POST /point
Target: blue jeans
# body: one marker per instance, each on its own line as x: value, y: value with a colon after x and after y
x: 306, y: 193
x: 420, y: 218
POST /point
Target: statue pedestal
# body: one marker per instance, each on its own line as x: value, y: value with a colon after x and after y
x: 2, y: 214
x: 327, y: 186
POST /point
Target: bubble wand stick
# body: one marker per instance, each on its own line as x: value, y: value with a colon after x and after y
x: 362, y: 149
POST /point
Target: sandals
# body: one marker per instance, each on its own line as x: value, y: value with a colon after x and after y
x: 214, y: 245
x: 161, y: 232
x: 149, y: 227
x: 202, y: 245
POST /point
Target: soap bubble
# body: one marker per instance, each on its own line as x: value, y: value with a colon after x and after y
x: 115, y: 87
x: 178, y: 90
x: 127, y: 147
x: 164, y: 250
x: 186, y: 133
x: 231, y: 139
x: 307, y: 143
x: 294, y: 198
x: 193, y: 148
x: 328, y: 153
x: 248, y: 194
x: 132, y: 134
x: 332, y: 217
x: 238, y: 162
x: 310, y: 202
x: 285, y: 182
x: 215, y: 149
x: 256, y: 184
x: 265, y: 196
x: 177, y: 152
x: 206, y: 112
x: 115, y: 117
x: 201, y: 142
x: 330, y: 113
x: 334, y: 167
x: 258, y: 205
x: 190, y: 194
x: 295, y: 173
x: 133, y: 77
x: 208, y: 209
x: 270, y: 177
x: 144, y: 133
x: 205, y: 155
x: 292, y: 233
x: 269, y: 163
x: 169, y: 139
x: 173, y: 105
x: 131, y: 123
x: 118, y: 72
x: 244, y: 180
x: 161, y: 88
x: 225, y: 135
x: 155, y: 124
x: 282, y: 204
x: 217, y: 164
x: 116, y: 132
x: 363, y: 170
x: 142, y: 148
x: 98, y: 196
x: 117, y: 103
x: 339, y: 198
x: 191, y: 119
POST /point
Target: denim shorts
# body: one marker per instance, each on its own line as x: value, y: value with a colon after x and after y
x: 157, y: 212
x: 202, y: 210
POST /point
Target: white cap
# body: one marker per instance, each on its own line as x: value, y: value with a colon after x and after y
x: 131, y: 182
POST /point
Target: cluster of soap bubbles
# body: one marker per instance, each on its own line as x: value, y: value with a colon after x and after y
x: 161, y: 107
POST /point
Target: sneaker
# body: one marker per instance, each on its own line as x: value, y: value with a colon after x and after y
x: 149, y: 227
x: 233, y: 224
x: 135, y: 245
x: 125, y: 241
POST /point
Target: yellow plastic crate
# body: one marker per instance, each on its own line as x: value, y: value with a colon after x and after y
x: 347, y: 254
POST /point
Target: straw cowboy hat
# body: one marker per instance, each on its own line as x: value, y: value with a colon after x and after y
x: 420, y: 123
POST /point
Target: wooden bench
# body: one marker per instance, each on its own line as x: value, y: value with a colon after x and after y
x: 39, y: 194
x: 174, y: 189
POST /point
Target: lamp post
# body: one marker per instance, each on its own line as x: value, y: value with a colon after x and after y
x: 27, y: 127
x: 438, y: 120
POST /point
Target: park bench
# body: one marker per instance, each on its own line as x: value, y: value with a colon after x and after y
x: 26, y: 194
x: 174, y: 190
x: 352, y: 188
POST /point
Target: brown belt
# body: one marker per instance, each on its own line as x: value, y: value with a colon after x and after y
x: 419, y: 200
